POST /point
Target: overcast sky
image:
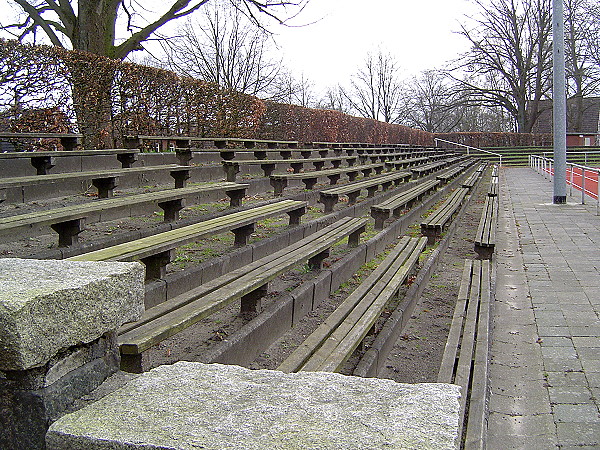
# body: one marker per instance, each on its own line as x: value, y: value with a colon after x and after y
x: 420, y: 34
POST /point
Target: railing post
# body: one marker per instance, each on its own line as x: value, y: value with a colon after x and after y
x: 597, y: 191
x: 571, y: 187
x: 582, y: 185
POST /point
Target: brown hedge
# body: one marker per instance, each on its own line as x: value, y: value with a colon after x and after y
x: 106, y: 99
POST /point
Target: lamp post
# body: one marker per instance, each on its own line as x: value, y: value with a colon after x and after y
x: 559, y: 104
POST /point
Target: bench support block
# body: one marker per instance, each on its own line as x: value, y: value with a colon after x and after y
x: 251, y: 303
x: 132, y: 363
x: 431, y: 233
x: 380, y: 218
x: 329, y: 201
x: 296, y: 216
x: 296, y: 166
x: 316, y: 262
x: 484, y: 252
x: 68, y: 232
x: 180, y: 177
x: 354, y: 238
x: 42, y: 164
x: 105, y: 186
x: 333, y: 179
x: 242, y: 234
x: 278, y: 186
x: 231, y: 170
x: 268, y: 169
x: 184, y: 156
x: 235, y: 197
x: 127, y: 159
x: 352, y: 197
x: 156, y: 265
x: 172, y: 208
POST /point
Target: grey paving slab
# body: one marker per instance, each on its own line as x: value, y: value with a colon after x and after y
x: 550, y: 256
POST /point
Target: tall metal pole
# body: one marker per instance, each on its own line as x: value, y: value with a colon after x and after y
x: 559, y: 103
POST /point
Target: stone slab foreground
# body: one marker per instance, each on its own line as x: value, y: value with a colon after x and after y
x: 48, y: 306
x: 193, y: 405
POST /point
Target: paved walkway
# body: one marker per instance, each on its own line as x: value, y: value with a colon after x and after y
x: 545, y: 355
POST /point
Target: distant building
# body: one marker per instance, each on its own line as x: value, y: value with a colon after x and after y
x: 583, y: 124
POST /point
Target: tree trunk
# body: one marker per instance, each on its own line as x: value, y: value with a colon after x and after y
x: 95, y: 27
x: 92, y: 80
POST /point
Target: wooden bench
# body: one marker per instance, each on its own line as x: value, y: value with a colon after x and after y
x: 135, y: 141
x: 232, y: 168
x: 184, y: 150
x: 44, y: 161
x: 334, y: 341
x: 472, y: 180
x: 450, y: 174
x: 104, y: 180
x: 465, y: 359
x: 485, y: 239
x: 69, y: 221
x: 407, y: 162
x: 69, y: 141
x: 280, y: 181
x: 434, y: 224
x: 394, y: 205
x: 343, y: 144
x: 156, y: 251
x: 426, y: 169
x: 494, y: 170
x: 330, y: 197
x: 247, y: 284
x: 493, y: 190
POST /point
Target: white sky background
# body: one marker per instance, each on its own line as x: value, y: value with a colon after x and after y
x: 420, y: 35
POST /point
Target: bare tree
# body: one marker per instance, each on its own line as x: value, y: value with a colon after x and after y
x: 294, y: 91
x: 582, y: 37
x: 430, y: 104
x: 334, y: 99
x: 91, y: 25
x: 375, y: 90
x: 509, y: 63
x: 224, y: 48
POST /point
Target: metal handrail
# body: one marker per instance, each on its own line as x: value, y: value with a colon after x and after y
x: 544, y: 164
x: 468, y: 147
x: 584, y: 153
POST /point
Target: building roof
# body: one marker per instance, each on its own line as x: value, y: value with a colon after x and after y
x: 590, y: 117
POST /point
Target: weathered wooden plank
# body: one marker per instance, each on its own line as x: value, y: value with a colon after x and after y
x: 448, y: 364
x: 295, y: 361
x: 467, y: 345
x: 406, y: 196
x: 75, y: 211
x: 348, y: 341
x: 17, y: 181
x: 363, y: 184
x: 476, y: 421
x: 170, y: 239
x: 141, y: 338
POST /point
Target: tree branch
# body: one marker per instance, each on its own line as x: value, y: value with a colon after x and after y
x: 39, y: 21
